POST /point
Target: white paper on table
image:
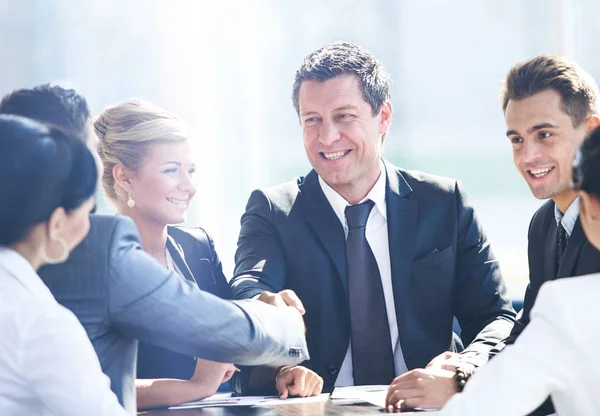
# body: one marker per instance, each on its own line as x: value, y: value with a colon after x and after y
x: 321, y: 398
x: 227, y: 400
x: 374, y: 394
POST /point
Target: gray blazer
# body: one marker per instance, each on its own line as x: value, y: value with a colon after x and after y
x: 122, y: 295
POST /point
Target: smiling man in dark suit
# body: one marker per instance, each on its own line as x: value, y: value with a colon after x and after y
x: 381, y: 258
x: 550, y: 104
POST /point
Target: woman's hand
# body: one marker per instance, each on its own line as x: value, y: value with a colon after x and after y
x: 209, y: 375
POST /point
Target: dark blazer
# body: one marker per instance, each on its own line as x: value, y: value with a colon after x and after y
x: 580, y: 258
x: 194, y: 253
x: 121, y: 295
x: 442, y: 266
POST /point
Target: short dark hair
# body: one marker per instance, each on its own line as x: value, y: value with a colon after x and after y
x: 42, y: 168
x: 578, y: 90
x: 586, y: 165
x: 50, y: 104
x: 341, y: 58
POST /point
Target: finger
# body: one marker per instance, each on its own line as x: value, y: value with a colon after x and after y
x: 393, y: 399
x: 318, y: 387
x: 298, y: 384
x: 309, y: 386
x: 412, y: 403
x: 271, y: 298
x: 291, y: 299
x: 282, y: 385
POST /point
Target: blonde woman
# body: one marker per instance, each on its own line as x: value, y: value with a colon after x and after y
x: 149, y: 176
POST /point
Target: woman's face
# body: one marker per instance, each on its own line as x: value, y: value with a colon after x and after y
x: 164, y: 186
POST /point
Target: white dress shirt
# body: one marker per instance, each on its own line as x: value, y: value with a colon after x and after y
x: 556, y: 355
x: 47, y: 363
x: 377, y: 237
x: 569, y: 218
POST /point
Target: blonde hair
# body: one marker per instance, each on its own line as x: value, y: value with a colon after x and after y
x: 127, y: 130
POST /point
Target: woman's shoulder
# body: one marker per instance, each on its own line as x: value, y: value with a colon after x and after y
x: 189, y: 234
x: 192, y: 240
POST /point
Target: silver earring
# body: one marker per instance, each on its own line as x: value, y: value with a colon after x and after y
x: 63, y: 257
x: 130, y: 201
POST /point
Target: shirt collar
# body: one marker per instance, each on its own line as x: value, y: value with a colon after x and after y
x: 570, y: 216
x: 376, y: 194
x: 18, y: 267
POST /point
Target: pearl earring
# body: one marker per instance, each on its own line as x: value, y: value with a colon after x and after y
x: 130, y: 201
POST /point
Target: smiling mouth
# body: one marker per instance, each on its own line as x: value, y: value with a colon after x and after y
x: 178, y: 202
x: 540, y: 173
x: 335, y: 155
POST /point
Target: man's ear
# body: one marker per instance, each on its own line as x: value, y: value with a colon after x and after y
x: 592, y: 122
x: 385, y: 117
x: 122, y: 177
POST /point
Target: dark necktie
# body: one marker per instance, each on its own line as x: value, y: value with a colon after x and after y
x: 562, y: 242
x: 372, y: 356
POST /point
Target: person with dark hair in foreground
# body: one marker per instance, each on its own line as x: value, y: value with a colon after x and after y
x: 122, y: 295
x: 381, y: 258
x: 47, y: 363
x: 556, y: 354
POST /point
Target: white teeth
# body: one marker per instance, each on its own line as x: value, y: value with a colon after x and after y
x: 334, y: 156
x: 176, y: 202
x: 538, y: 173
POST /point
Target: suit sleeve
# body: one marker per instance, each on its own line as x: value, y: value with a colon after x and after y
x: 149, y: 303
x: 523, y: 316
x: 495, y: 390
x: 482, y: 306
x: 259, y: 259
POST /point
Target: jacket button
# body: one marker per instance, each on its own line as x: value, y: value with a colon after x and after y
x: 332, y: 370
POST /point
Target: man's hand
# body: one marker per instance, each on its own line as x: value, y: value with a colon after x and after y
x: 297, y: 381
x: 424, y: 388
x: 284, y: 298
x: 446, y: 361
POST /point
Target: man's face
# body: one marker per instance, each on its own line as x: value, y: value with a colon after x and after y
x: 342, y: 138
x: 544, y: 142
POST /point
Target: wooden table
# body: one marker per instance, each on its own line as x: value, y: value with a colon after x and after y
x: 304, y: 409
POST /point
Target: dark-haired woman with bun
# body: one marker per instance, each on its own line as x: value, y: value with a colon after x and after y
x: 47, y: 364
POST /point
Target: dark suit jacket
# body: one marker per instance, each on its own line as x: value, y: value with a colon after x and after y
x: 194, y: 253
x: 291, y: 238
x: 121, y: 295
x: 580, y: 258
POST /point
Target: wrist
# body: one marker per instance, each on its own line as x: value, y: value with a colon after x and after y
x: 279, y: 370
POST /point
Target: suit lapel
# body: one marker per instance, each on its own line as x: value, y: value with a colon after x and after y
x: 176, y: 253
x: 574, y: 245
x: 402, y: 216
x: 551, y: 251
x: 319, y: 214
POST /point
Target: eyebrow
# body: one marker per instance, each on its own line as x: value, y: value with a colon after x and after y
x: 172, y: 161
x: 343, y: 107
x: 534, y: 128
